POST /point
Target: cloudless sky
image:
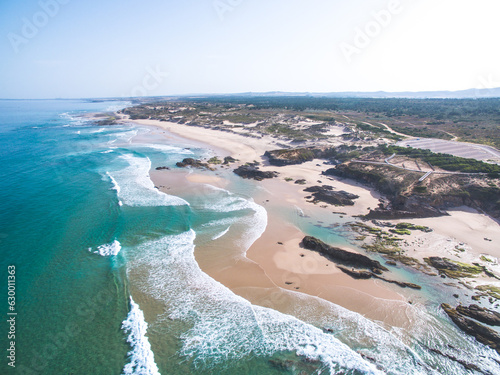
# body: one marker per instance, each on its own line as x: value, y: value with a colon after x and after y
x: 109, y: 48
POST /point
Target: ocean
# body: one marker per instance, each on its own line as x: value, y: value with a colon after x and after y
x: 107, y: 282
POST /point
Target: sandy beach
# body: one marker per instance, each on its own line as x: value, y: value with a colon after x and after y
x: 276, y: 259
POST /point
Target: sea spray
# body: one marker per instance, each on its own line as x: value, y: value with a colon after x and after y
x: 141, y: 356
x: 110, y: 249
x: 135, y: 188
x: 116, y: 187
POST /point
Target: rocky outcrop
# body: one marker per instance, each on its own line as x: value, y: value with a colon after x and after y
x: 342, y: 256
x: 453, y: 269
x: 442, y: 264
x: 409, y: 199
x: 402, y: 284
x: 229, y: 159
x: 391, y: 214
x: 194, y: 163
x: 253, y: 172
x: 482, y: 314
x: 297, y: 155
x: 356, y: 274
x: 368, y: 275
x: 326, y: 194
x: 483, y: 334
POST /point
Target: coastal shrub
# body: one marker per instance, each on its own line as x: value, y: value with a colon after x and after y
x: 444, y: 161
x: 420, y: 189
x: 214, y: 160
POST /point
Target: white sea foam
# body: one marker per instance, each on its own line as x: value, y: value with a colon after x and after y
x: 109, y: 249
x: 226, y: 327
x: 74, y: 120
x: 116, y: 187
x: 115, y: 184
x: 141, y: 356
x: 167, y: 148
x: 135, y: 188
x: 252, y: 225
x: 122, y: 136
x: 221, y: 234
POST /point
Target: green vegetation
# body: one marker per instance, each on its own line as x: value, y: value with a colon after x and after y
x: 287, y: 131
x: 490, y: 290
x: 459, y: 269
x: 299, y: 155
x: 362, y: 227
x: 411, y: 226
x: 400, y: 231
x: 214, y: 160
x: 392, y: 252
x: 288, y: 179
x: 485, y: 259
x: 420, y: 189
x: 444, y: 161
x: 472, y: 120
x: 380, y: 131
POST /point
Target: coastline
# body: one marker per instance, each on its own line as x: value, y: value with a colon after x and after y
x: 269, y: 265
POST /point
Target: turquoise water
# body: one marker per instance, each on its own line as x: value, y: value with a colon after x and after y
x: 107, y: 281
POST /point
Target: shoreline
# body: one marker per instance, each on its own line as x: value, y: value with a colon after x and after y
x: 281, y: 265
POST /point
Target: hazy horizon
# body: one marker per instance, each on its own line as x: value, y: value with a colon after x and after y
x: 66, y: 49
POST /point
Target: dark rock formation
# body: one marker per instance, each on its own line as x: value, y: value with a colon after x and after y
x: 248, y: 171
x: 356, y: 274
x: 342, y: 256
x: 402, y: 284
x: 443, y: 264
x: 326, y: 194
x: 480, y: 313
x: 483, y: 334
x: 390, y: 214
x: 190, y: 162
x: 367, y: 275
x: 162, y: 168
x: 383, y: 223
x: 453, y: 269
x: 229, y: 159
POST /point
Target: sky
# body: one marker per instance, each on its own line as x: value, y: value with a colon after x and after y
x: 122, y: 48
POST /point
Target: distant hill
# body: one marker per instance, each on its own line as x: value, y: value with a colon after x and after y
x: 461, y: 94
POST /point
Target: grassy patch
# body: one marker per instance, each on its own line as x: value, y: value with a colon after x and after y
x: 214, y: 160
x: 490, y: 290
x: 485, y: 259
x: 400, y: 231
x: 459, y: 269
x: 411, y: 226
